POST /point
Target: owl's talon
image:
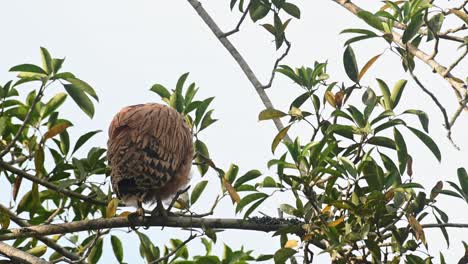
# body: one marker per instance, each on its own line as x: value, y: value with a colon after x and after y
x: 133, y: 220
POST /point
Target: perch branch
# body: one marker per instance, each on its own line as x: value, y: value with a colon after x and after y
x: 19, y: 256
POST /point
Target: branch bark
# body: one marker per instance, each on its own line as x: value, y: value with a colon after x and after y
x: 49, y: 185
x: 19, y: 256
x: 47, y: 241
x: 459, y: 87
x: 238, y: 58
x: 172, y: 221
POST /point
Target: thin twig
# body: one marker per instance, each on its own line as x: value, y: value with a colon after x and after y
x: 239, y: 59
x: 49, y: 185
x: 455, y: 63
x: 454, y: 225
x: 180, y: 192
x: 273, y: 72
x: 236, y: 29
x: 166, y: 257
x: 47, y: 241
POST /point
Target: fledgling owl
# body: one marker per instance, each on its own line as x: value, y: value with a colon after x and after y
x: 150, y: 152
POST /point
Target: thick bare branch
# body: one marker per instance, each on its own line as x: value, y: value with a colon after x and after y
x: 172, y: 221
x: 238, y: 57
x: 19, y: 256
x: 47, y: 241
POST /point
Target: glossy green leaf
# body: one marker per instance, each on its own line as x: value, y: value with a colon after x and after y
x: 28, y: 68
x: 413, y: 28
x: 270, y: 114
x: 96, y: 252
x: 197, y: 191
x: 397, y: 92
x: 283, y: 254
x: 53, y: 104
x: 388, y: 104
x: 117, y: 248
x: 80, y: 99
x: 402, y: 151
x: 250, y: 175
x: 428, y: 142
x: 249, y: 199
x: 83, y: 86
x: 292, y: 9
x: 423, y: 118
x: 46, y: 60
x: 83, y: 139
x: 434, y: 24
x: 371, y: 19
x: 463, y: 179
x: 161, y: 91
x: 382, y: 141
x: 350, y: 64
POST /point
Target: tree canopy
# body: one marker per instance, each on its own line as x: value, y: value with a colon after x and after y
x: 341, y: 159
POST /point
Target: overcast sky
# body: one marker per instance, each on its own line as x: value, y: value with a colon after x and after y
x: 123, y: 47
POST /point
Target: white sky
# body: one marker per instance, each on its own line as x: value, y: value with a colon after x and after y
x: 123, y: 47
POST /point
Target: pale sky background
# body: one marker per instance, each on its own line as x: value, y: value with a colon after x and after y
x: 123, y: 47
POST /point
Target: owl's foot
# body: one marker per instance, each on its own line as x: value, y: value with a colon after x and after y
x: 135, y: 218
x: 159, y: 210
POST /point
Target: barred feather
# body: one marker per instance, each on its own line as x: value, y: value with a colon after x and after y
x: 150, y: 151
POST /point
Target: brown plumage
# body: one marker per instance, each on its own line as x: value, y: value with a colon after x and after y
x: 150, y: 153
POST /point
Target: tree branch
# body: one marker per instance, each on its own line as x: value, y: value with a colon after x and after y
x: 459, y: 87
x: 455, y: 225
x: 19, y: 255
x: 236, y: 29
x: 49, y: 185
x: 238, y: 58
x: 47, y: 241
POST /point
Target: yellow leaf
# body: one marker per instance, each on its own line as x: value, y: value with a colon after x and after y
x: 308, y: 237
x: 124, y: 214
x: 291, y: 244
x: 327, y: 210
x: 112, y: 207
x: 37, y: 251
x: 418, y: 230
x: 330, y: 98
x: 367, y: 66
x: 336, y: 222
x: 279, y: 137
x: 234, y: 195
x: 39, y: 160
x: 295, y: 111
x: 389, y: 195
x: 339, y: 98
x: 55, y: 130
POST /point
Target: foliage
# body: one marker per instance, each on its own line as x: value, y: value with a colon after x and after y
x: 350, y: 182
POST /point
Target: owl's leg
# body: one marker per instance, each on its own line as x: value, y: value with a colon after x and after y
x: 159, y: 210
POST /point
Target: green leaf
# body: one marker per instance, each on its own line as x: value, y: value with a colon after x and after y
x: 117, y: 248
x: 57, y: 64
x: 371, y: 19
x: 197, y: 191
x: 434, y: 24
x: 386, y: 94
x: 54, y: 103
x: 397, y: 92
x: 80, y: 99
x: 28, y: 68
x: 161, y: 91
x: 463, y: 179
x: 283, y: 132
x: 259, y: 11
x: 350, y: 64
x: 423, y: 119
x: 270, y: 114
x: 249, y: 199
x: 231, y: 173
x: 402, y: 151
x: 283, y: 254
x: 427, y: 141
x: 250, y: 175
x: 83, y: 86
x: 83, y: 139
x: 96, y: 252
x: 382, y: 141
x: 413, y: 28
x: 46, y: 60
x: 200, y: 148
x: 207, y: 120
x: 292, y: 9
x: 180, y: 82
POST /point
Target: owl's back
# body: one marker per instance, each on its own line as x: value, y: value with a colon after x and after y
x: 150, y: 151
